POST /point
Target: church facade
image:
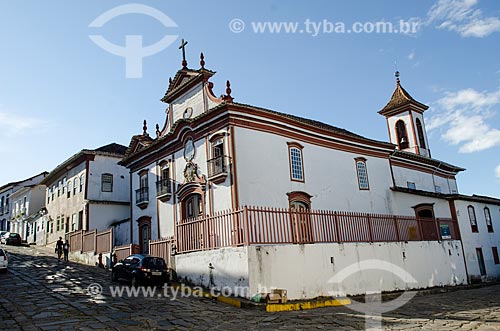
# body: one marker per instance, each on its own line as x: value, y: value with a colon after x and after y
x: 256, y: 198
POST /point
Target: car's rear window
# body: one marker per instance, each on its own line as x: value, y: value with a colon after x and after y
x: 154, y: 263
x: 13, y: 235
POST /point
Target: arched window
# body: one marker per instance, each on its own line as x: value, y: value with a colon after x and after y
x: 193, y: 206
x: 362, y: 173
x: 296, y: 162
x: 487, y: 217
x: 420, y: 133
x: 401, y: 134
x: 472, y: 218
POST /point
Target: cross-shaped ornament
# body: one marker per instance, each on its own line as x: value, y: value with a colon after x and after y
x: 183, y: 47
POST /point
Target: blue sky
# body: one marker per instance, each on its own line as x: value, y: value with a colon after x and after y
x: 60, y: 92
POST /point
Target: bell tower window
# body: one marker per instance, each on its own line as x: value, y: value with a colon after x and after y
x: 420, y: 133
x: 402, y: 135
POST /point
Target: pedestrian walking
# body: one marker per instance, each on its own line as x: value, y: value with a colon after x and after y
x: 59, y: 248
x: 66, y: 250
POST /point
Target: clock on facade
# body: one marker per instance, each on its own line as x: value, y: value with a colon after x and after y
x: 188, y: 112
x: 189, y: 150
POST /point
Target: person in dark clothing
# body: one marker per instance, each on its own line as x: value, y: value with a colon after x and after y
x: 59, y: 248
x: 66, y: 250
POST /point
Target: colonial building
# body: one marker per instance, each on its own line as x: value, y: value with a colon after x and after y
x: 6, y: 201
x: 87, y: 191
x: 321, y: 197
x: 27, y: 202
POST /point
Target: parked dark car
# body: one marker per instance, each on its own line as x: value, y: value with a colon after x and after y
x: 13, y: 239
x: 140, y: 269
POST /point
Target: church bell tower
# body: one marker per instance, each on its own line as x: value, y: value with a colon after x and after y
x: 405, y: 121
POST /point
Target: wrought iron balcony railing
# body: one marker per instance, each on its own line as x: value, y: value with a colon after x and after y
x: 142, y: 196
x: 218, y: 166
x: 163, y: 187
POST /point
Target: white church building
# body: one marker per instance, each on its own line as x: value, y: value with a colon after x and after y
x: 258, y: 199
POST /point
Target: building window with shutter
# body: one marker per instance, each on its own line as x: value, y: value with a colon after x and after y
x: 107, y: 183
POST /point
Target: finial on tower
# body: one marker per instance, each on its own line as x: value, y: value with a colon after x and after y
x: 145, y: 128
x: 183, y: 47
x: 202, y: 60
x: 396, y: 74
x: 170, y: 80
x: 227, y: 97
x: 157, y: 130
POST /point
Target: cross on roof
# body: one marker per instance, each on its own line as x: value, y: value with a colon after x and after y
x: 183, y: 47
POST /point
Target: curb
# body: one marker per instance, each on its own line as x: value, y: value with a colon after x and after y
x: 277, y: 307
x: 270, y: 307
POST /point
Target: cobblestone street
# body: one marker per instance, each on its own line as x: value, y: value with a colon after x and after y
x: 38, y: 293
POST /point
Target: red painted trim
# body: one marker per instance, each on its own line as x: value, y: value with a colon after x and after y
x: 300, y: 197
x: 157, y: 204
x: 388, y: 129
x: 234, y: 173
x: 210, y: 94
x: 311, y: 139
x: 175, y: 206
x: 417, y: 149
x: 299, y: 147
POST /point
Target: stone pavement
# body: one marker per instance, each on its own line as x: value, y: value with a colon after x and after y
x: 38, y: 293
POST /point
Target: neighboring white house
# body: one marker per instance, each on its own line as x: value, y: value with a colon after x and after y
x: 213, y: 156
x: 7, y: 203
x: 26, y: 205
x: 88, y: 191
x: 479, y: 219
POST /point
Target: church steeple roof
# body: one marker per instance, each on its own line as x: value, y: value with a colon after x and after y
x: 401, y: 100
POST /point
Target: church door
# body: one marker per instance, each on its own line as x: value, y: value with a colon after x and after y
x: 301, y: 222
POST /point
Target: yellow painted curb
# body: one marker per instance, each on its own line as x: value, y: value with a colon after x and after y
x: 229, y: 301
x: 277, y: 307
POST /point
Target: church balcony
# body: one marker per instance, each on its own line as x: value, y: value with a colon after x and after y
x: 164, y: 189
x: 218, y: 169
x: 142, y: 197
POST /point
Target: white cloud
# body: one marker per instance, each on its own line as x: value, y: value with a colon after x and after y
x: 463, y: 17
x: 497, y: 171
x: 14, y: 125
x: 411, y: 56
x: 464, y: 119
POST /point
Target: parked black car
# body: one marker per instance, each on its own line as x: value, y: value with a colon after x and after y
x: 13, y: 239
x: 141, y: 268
